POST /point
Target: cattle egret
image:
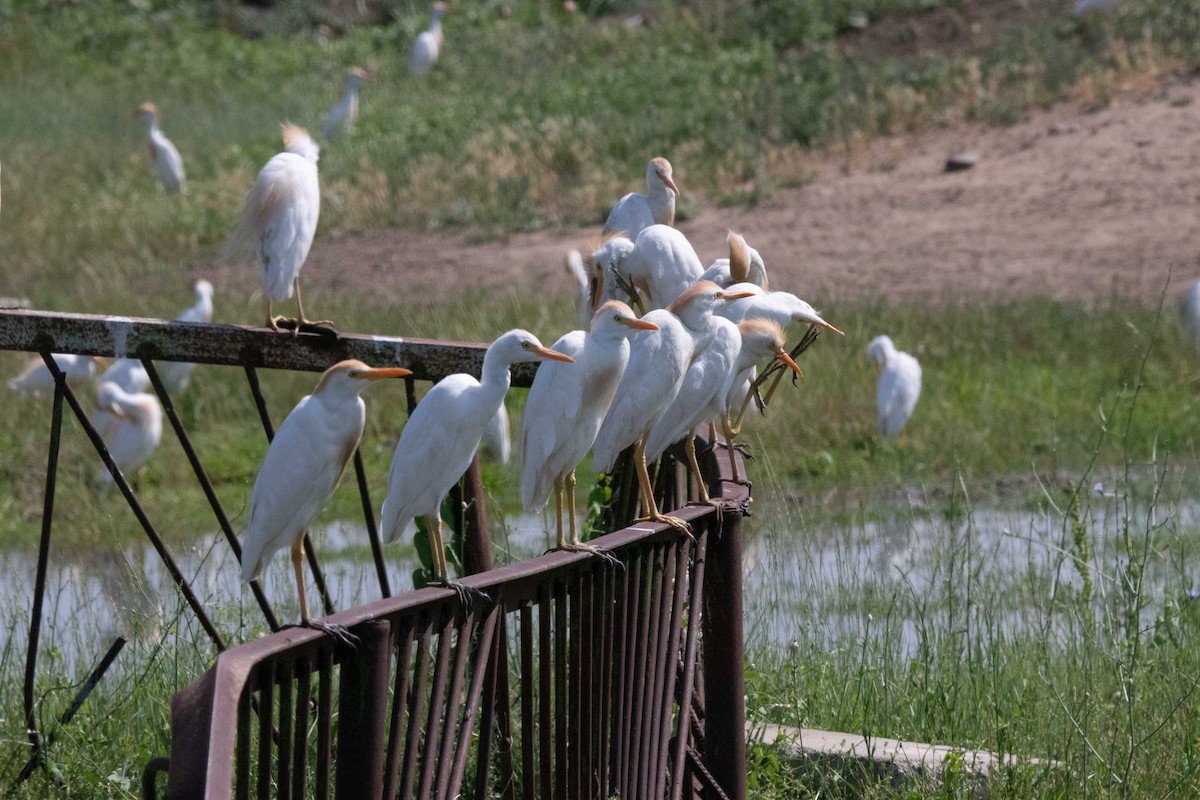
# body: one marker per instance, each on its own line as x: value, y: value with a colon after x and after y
x: 606, y: 281
x: 280, y: 220
x: 496, y: 441
x: 135, y: 435
x: 342, y: 117
x: 1189, y: 312
x: 743, y: 265
x: 35, y: 377
x: 781, y: 307
x: 131, y: 377
x: 177, y: 374
x: 659, y: 264
x: 657, y: 365
x: 565, y: 407
x: 428, y: 43
x: 442, y: 435
x: 302, y: 467
x: 168, y: 164
x: 583, y: 288
x: 899, y: 385
x: 636, y: 211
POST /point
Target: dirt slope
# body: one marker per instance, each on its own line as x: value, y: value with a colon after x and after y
x: 1071, y: 203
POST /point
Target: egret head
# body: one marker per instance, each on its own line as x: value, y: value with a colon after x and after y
x: 660, y: 169
x: 350, y: 377
x: 803, y: 312
x: 147, y: 112
x: 880, y: 350
x: 204, y: 289
x: 617, y: 319
x: 296, y: 140
x: 521, y: 345
x: 762, y: 338
x: 355, y: 77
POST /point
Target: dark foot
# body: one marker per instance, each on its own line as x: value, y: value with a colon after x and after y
x: 322, y: 327
x: 339, y: 632
x: 281, y: 324
x: 467, y: 595
x: 607, y: 555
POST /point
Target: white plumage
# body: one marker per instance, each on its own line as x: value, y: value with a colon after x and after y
x: 496, y: 441
x: 899, y: 385
x: 130, y: 376
x: 280, y: 218
x: 135, y: 435
x: 168, y: 164
x: 783, y: 308
x: 344, y: 114
x: 177, y: 374
x: 566, y: 405
x: 660, y: 263
x: 636, y: 211
x: 743, y: 265
x: 35, y: 378
x: 428, y: 44
x: 442, y: 435
x: 303, y: 465
x: 583, y: 288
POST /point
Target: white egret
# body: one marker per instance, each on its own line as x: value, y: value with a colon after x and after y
x: 135, y: 435
x: 583, y: 288
x: 343, y: 116
x: 781, y: 307
x: 168, y: 164
x: 899, y: 385
x: 35, y: 378
x: 657, y: 365
x: 428, y: 43
x: 743, y: 265
x: 177, y: 374
x: 606, y: 260
x: 1189, y: 312
x: 636, y: 211
x: 496, y: 440
x: 442, y: 435
x: 130, y: 376
x: 565, y: 407
x: 280, y: 221
x: 302, y: 467
x: 658, y: 265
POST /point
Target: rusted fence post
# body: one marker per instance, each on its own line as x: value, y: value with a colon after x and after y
x: 361, y: 715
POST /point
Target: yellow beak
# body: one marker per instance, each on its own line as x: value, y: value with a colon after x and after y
x: 553, y: 355
x: 384, y: 372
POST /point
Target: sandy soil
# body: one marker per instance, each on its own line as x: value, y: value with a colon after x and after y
x: 1071, y: 203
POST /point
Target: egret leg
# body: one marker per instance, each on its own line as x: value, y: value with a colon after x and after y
x: 689, y: 447
x: 558, y: 513
x: 339, y: 632
x: 466, y: 595
x: 302, y: 321
x: 649, y: 506
x: 272, y: 320
x: 730, y: 433
x: 575, y: 544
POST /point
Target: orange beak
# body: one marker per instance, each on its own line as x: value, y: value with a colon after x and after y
x: 638, y: 324
x: 553, y: 355
x: 385, y: 373
x: 786, y: 359
x: 729, y: 298
x: 671, y: 184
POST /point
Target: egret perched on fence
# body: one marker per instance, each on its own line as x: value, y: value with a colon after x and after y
x: 168, y: 164
x: 302, y: 467
x: 136, y: 431
x: 744, y: 265
x: 651, y: 269
x: 899, y: 385
x: 428, y: 44
x: 565, y: 407
x: 442, y: 435
x: 636, y: 211
x: 280, y: 221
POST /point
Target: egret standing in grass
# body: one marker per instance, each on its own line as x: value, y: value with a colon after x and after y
x: 565, y: 407
x: 899, y: 385
x: 442, y: 435
x: 130, y: 376
x: 136, y: 432
x: 302, y: 467
x: 35, y: 377
x: 177, y: 374
x: 343, y: 116
x: 428, y: 43
x: 280, y: 221
x: 168, y: 164
x: 636, y: 211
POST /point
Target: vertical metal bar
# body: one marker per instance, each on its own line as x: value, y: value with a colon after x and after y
x: 241, y: 769
x: 300, y: 743
x: 436, y: 709
x: 691, y: 644
x: 484, y: 653
x: 450, y: 717
x: 362, y: 681
x: 260, y: 402
x: 283, y: 780
x: 206, y: 486
x: 266, y: 709
x: 604, y: 682
x: 526, y: 685
x: 561, y: 667
x: 545, y: 693
x: 477, y: 546
x: 575, y: 686
x: 724, y: 677
x: 131, y: 500
x: 671, y: 664
x: 360, y: 473
x: 626, y: 674
x: 415, y: 711
x: 39, y: 582
x: 644, y: 700
x: 587, y: 685
x: 495, y: 696
x: 396, y: 727
x: 324, y: 722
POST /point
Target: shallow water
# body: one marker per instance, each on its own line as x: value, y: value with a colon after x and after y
x: 805, y: 579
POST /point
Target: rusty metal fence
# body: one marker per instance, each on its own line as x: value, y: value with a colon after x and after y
x: 575, y: 677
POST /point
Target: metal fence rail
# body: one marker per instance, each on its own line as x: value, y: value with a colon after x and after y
x: 626, y: 673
